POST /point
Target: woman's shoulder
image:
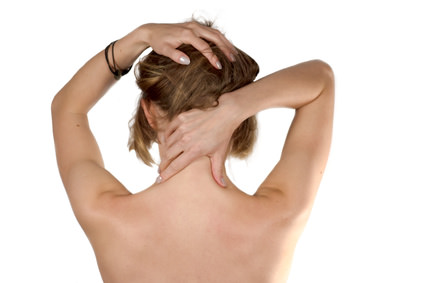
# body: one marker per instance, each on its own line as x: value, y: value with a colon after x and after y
x: 167, y: 204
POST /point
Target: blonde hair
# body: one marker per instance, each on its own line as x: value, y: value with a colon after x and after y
x: 178, y: 88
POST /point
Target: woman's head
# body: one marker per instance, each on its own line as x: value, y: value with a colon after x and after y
x: 176, y: 88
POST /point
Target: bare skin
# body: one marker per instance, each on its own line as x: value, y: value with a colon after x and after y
x: 188, y: 228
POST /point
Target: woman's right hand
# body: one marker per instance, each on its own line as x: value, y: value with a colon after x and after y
x: 197, y: 133
x: 165, y: 38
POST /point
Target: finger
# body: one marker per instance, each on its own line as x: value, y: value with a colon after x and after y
x: 229, y: 51
x: 176, y: 55
x: 203, y: 47
x: 176, y: 128
x: 172, y: 138
x: 171, y: 154
x: 214, y: 35
x: 220, y: 40
x: 229, y: 44
x: 172, y: 135
x: 217, y: 168
x: 225, y: 45
x: 173, y: 125
x: 163, y: 165
x: 176, y: 165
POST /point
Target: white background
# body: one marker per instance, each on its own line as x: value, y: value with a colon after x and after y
x: 368, y: 221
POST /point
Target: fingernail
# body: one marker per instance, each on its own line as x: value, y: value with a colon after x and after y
x: 223, y: 182
x: 184, y: 60
x: 232, y: 57
x: 158, y: 180
x: 219, y: 65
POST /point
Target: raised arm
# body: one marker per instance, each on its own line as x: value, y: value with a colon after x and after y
x: 79, y: 159
x: 307, y: 87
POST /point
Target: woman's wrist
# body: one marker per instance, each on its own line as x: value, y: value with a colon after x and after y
x: 233, y: 109
x: 245, y: 102
x: 131, y: 46
x: 142, y: 36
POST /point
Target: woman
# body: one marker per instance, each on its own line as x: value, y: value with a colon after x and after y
x: 191, y: 225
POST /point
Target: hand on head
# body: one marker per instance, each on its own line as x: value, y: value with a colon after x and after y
x: 165, y: 38
x: 196, y: 133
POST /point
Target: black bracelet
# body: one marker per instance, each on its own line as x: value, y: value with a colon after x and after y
x: 114, y: 70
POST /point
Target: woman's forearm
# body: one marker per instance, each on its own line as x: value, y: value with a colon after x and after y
x: 74, y: 141
x: 92, y: 81
x: 293, y: 87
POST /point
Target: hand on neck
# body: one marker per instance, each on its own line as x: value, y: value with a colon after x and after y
x: 198, y: 172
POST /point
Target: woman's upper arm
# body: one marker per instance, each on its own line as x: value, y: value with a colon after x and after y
x: 74, y: 141
x: 79, y: 159
x: 297, y: 175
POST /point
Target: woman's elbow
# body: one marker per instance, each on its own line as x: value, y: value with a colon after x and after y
x: 326, y: 71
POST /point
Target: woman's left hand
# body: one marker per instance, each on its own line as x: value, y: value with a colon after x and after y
x: 165, y: 38
x: 197, y: 133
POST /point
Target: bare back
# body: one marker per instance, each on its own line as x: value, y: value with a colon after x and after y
x: 197, y: 232
x: 188, y: 229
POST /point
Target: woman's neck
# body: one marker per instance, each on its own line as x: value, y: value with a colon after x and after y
x: 198, y: 172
